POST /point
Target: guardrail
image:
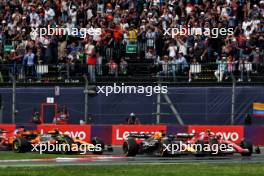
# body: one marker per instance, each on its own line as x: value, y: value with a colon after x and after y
x: 132, y: 72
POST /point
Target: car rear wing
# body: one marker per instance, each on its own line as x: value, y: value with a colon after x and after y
x: 140, y: 135
x: 3, y: 131
x: 185, y: 135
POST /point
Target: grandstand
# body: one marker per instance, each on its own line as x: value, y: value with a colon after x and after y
x: 133, y: 47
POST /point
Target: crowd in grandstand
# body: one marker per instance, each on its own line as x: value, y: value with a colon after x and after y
x: 140, y: 23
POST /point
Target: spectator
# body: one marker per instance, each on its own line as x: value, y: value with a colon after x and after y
x: 183, y: 65
x: 123, y: 67
x: 195, y: 71
x: 142, y: 23
x: 62, y: 116
x: 256, y: 59
x: 166, y: 66
x: 91, y: 59
x: 133, y: 120
x: 221, y: 69
x: 112, y: 67
x: 36, y: 117
x: 29, y: 64
x: 230, y: 67
x: 245, y: 67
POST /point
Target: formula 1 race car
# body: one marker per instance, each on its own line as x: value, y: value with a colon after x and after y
x: 208, y: 143
x: 184, y: 143
x: 151, y: 144
x: 25, y: 141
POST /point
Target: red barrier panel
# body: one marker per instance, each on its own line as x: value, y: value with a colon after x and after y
x: 120, y: 132
x: 8, y: 127
x: 230, y: 132
x: 81, y: 131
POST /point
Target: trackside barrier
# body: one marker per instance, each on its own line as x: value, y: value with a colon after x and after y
x: 231, y: 132
x: 255, y: 134
x: 120, y: 132
x: 82, y: 132
x: 115, y: 134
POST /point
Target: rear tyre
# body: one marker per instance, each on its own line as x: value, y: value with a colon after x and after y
x: 21, y: 145
x: 214, y: 145
x: 67, y: 148
x: 246, y: 145
x: 162, y: 150
x: 98, y: 144
x: 200, y: 148
x: 130, y: 147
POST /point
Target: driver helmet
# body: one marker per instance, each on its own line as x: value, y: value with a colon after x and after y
x: 158, y: 135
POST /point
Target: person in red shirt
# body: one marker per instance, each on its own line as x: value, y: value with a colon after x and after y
x: 61, y: 117
x: 112, y: 67
x: 91, y: 59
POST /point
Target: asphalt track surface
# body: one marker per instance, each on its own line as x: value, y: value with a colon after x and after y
x: 116, y: 158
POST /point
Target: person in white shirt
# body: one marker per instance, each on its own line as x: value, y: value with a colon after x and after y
x: 64, y: 10
x: 166, y: 66
x: 182, y: 46
x: 28, y: 62
x: 73, y: 14
x: 49, y: 14
x: 172, y: 50
x: 182, y: 62
x: 34, y: 17
x: 246, y: 23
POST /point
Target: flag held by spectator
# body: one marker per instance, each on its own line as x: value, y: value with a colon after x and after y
x: 258, y: 109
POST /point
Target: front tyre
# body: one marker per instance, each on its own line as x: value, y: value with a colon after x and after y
x: 21, y: 145
x: 130, y: 147
x: 98, y: 144
x: 246, y: 145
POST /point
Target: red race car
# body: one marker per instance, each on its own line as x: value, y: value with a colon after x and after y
x: 209, y: 143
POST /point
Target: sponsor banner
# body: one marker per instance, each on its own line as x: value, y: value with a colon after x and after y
x: 8, y: 127
x: 228, y: 132
x: 83, y: 132
x: 255, y: 134
x: 120, y: 132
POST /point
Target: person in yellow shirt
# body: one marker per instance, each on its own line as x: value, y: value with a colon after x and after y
x: 132, y: 34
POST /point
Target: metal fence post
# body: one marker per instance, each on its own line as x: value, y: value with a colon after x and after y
x: 86, y: 99
x: 158, y: 109
x: 233, y: 100
x: 13, y: 98
x: 1, y: 109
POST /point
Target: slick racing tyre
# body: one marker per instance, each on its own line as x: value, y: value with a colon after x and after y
x: 130, y: 147
x: 246, y: 145
x: 67, y: 143
x: 98, y: 142
x: 214, y: 145
x: 162, y: 149
x: 200, y: 148
x: 21, y: 145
